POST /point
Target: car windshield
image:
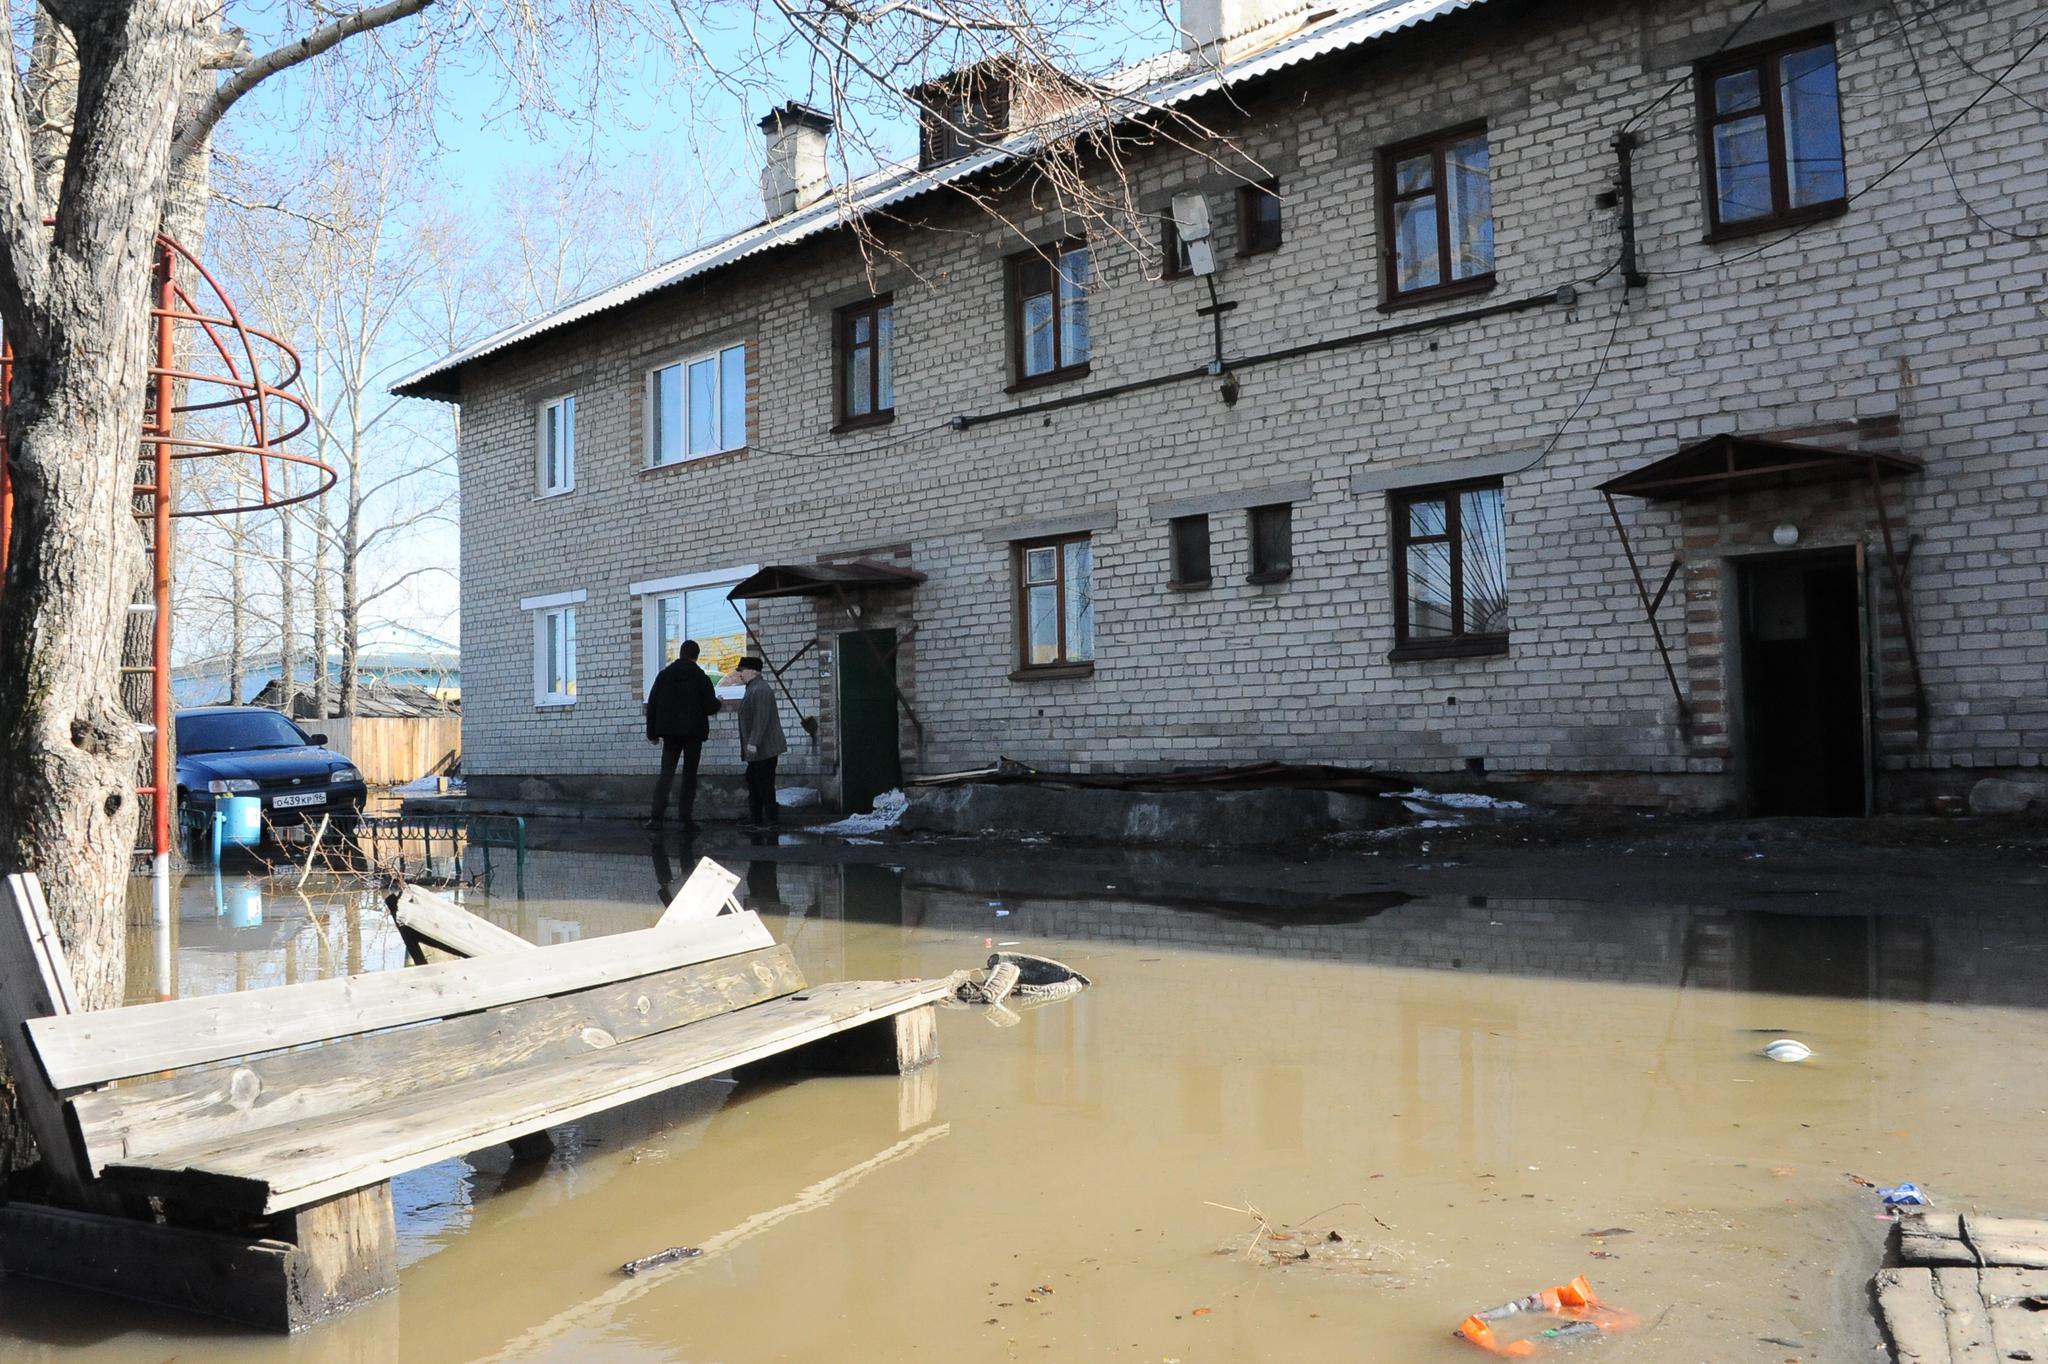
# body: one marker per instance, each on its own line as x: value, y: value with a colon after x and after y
x: 235, y: 731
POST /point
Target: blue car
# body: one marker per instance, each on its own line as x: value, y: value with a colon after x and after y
x: 249, y: 751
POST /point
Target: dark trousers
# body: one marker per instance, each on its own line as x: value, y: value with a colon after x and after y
x: 689, y: 750
x: 761, y: 792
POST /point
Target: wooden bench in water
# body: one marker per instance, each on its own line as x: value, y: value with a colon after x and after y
x: 232, y: 1154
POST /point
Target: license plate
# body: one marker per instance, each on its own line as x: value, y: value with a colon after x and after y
x: 293, y: 802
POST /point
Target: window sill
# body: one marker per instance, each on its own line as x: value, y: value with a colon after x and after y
x: 864, y: 421
x: 1053, y: 672
x: 1478, y: 284
x: 1200, y: 585
x: 1750, y: 227
x: 1056, y: 376
x: 554, y: 703
x: 1270, y: 575
x: 553, y: 493
x: 694, y: 461
x: 1473, y: 646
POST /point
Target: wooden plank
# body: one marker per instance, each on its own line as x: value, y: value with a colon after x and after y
x: 2017, y: 1331
x: 1936, y: 1239
x: 286, y: 1167
x: 210, y: 1106
x: 701, y: 897
x: 348, y: 1253
x: 88, y: 1049
x: 1912, y: 1316
x: 35, y: 983
x: 447, y: 925
x: 1963, y: 1316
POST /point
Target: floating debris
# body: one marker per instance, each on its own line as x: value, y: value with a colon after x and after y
x: 659, y: 1258
x: 1788, y: 1050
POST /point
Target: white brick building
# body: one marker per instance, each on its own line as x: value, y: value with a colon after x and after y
x: 1843, y: 310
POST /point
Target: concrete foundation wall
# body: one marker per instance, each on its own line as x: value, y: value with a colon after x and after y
x: 1903, y: 325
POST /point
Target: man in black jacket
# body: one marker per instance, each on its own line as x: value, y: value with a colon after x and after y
x: 679, y: 712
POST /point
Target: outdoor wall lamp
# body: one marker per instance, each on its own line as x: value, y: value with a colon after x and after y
x: 1786, y: 535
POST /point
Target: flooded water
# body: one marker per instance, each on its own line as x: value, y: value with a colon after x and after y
x: 1462, y: 1090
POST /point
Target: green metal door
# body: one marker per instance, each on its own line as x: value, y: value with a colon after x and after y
x: 869, y: 763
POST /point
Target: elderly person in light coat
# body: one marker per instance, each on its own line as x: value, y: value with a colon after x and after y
x: 761, y: 742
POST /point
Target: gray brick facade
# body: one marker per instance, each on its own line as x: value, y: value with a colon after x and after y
x: 1905, y: 325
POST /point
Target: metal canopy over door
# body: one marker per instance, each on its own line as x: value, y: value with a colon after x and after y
x: 870, y: 759
x: 1805, y: 683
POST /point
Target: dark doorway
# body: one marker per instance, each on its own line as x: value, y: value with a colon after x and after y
x: 869, y: 762
x: 1803, y: 694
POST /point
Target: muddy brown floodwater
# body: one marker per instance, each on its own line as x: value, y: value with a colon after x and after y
x: 1461, y: 1089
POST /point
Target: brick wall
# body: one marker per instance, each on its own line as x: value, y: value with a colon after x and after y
x: 1902, y: 324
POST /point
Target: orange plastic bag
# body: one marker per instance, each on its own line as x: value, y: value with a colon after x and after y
x: 1576, y: 1306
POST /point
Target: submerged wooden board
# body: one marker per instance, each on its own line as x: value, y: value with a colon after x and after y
x: 446, y: 924
x: 1912, y: 1316
x: 701, y: 897
x: 80, y: 1051
x: 1937, y: 1239
x: 212, y: 1105
x: 287, y: 1167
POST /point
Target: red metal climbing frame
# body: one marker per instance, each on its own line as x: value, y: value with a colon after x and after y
x: 218, y: 389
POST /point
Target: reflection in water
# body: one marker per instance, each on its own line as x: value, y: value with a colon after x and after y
x: 1467, y: 1086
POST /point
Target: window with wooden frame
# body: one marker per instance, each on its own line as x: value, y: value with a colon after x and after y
x: 1049, y: 312
x: 1771, y: 136
x: 697, y: 406
x: 1055, y: 604
x: 1258, y: 218
x: 1188, y: 537
x: 867, y: 363
x: 1436, y: 221
x: 555, y: 457
x: 1450, y: 571
x: 1272, y: 535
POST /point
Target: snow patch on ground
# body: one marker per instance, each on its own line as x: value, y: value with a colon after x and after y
x: 429, y: 786
x: 790, y: 796
x: 1456, y: 800
x: 888, y: 812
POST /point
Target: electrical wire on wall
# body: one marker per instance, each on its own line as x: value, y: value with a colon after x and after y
x: 1941, y: 147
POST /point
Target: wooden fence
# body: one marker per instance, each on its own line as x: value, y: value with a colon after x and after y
x: 390, y: 751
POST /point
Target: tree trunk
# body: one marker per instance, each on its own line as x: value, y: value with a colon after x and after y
x: 80, y: 329
x: 287, y: 606
x: 352, y: 590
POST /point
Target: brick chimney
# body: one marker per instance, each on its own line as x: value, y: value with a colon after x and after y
x: 1224, y: 30
x: 795, y: 176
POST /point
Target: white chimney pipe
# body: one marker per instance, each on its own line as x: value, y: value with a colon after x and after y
x: 796, y: 175
x: 1224, y: 30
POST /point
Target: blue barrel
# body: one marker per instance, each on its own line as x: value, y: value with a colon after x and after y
x: 244, y: 820
x: 244, y: 907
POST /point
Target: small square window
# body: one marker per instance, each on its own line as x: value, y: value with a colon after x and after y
x: 1190, y: 540
x: 1272, y: 537
x: 1258, y: 218
x: 556, y: 455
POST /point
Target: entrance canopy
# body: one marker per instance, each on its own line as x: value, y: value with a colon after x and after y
x: 1730, y: 463
x: 820, y: 580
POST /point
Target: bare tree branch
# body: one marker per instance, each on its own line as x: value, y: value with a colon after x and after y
x: 302, y: 49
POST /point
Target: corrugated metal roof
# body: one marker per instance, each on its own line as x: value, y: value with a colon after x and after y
x: 1180, y: 79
